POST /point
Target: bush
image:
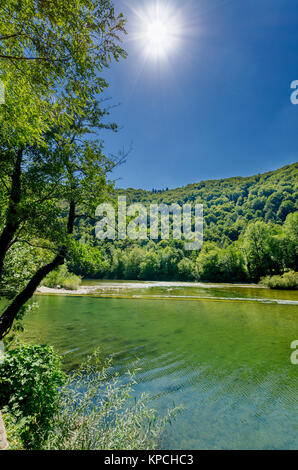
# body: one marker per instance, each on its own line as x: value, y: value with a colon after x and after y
x: 60, y: 277
x: 91, y: 409
x: 288, y: 280
x: 96, y: 412
x: 30, y: 376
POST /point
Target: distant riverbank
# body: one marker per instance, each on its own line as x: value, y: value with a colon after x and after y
x: 91, y: 286
x: 83, y: 290
x: 192, y: 291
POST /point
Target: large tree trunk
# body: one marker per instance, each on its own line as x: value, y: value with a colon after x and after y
x: 9, y: 315
x: 12, y: 220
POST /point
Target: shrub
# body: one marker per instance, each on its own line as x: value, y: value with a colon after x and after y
x: 30, y: 376
x: 91, y: 409
x: 288, y: 280
x: 96, y: 412
x: 60, y: 277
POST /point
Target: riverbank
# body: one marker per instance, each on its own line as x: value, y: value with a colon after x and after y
x: 192, y: 291
x: 83, y: 290
x: 104, y: 286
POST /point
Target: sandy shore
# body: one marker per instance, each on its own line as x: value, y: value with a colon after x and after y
x: 105, y: 286
x: 83, y: 290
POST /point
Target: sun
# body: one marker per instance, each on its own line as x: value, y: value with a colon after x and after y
x: 158, y: 30
x: 159, y: 34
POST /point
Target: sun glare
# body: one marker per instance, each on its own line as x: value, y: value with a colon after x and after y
x: 159, y: 30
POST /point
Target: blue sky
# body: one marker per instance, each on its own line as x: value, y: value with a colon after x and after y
x: 219, y: 106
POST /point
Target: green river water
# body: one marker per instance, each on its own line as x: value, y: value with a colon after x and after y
x: 222, y: 352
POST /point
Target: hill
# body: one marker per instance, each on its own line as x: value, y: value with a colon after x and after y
x: 230, y: 204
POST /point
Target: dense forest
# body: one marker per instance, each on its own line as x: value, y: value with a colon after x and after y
x: 250, y: 231
x: 230, y: 204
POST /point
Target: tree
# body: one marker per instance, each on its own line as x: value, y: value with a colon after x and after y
x: 51, y: 42
x: 261, y: 249
x: 149, y: 268
x: 62, y: 162
x: 82, y: 170
x: 207, y: 262
x: 290, y: 241
x: 47, y: 53
x: 186, y: 270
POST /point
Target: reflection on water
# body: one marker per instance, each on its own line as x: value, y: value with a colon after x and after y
x: 226, y: 361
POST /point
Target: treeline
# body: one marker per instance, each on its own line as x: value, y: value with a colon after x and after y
x: 250, y: 231
x: 262, y: 249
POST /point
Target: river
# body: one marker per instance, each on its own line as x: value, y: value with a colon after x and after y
x: 221, y: 351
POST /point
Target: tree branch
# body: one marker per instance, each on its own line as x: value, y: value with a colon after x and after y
x: 3, y: 38
x: 46, y: 59
x: 9, y: 315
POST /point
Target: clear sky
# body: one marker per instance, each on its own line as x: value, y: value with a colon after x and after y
x: 217, y: 104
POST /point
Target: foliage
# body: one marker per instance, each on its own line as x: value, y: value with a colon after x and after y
x: 186, y: 270
x: 290, y: 236
x: 20, y: 264
x: 92, y: 410
x: 288, y: 280
x: 45, y: 47
x: 261, y: 249
x: 221, y: 265
x: 250, y: 231
x: 231, y: 204
x: 97, y: 412
x: 14, y: 428
x: 62, y: 278
x: 29, y: 379
x: 85, y: 259
x: 52, y: 165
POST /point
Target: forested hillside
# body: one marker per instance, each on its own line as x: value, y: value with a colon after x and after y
x: 250, y: 231
x: 230, y: 204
